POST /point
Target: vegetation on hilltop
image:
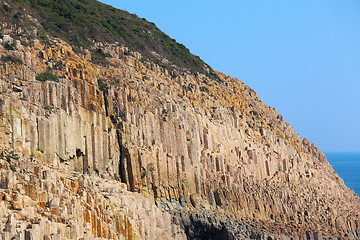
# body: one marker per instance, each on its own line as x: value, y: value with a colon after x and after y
x: 80, y: 22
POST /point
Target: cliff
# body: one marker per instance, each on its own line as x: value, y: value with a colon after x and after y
x: 132, y: 150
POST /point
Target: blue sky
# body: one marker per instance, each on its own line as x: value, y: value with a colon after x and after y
x: 301, y: 57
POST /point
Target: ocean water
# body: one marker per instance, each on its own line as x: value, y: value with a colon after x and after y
x: 347, y: 165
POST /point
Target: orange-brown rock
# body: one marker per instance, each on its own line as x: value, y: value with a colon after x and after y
x: 208, y: 151
x: 99, y: 209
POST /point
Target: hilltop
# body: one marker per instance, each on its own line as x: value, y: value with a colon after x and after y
x: 82, y: 23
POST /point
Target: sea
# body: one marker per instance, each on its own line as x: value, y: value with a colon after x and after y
x: 347, y: 165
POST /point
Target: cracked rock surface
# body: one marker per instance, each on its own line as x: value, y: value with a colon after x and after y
x: 222, y: 164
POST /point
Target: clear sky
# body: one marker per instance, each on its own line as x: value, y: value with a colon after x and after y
x: 301, y: 56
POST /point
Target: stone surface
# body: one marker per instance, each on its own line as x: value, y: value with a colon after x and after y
x: 189, y: 144
x: 45, y: 202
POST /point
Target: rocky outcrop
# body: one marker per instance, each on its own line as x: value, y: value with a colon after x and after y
x: 209, y: 149
x: 43, y: 202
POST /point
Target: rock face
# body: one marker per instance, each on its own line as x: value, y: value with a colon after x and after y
x: 209, y: 152
x: 42, y: 202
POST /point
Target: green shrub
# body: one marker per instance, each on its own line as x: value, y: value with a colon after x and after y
x: 99, y: 57
x: 58, y: 65
x: 44, y: 37
x: 7, y: 8
x: 17, y: 16
x: 9, y: 58
x: 14, y: 157
x: 47, y: 77
x: 47, y: 107
x: 103, y: 86
x: 21, y: 2
x: 256, y: 114
x: 12, y: 206
x: 9, y: 46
